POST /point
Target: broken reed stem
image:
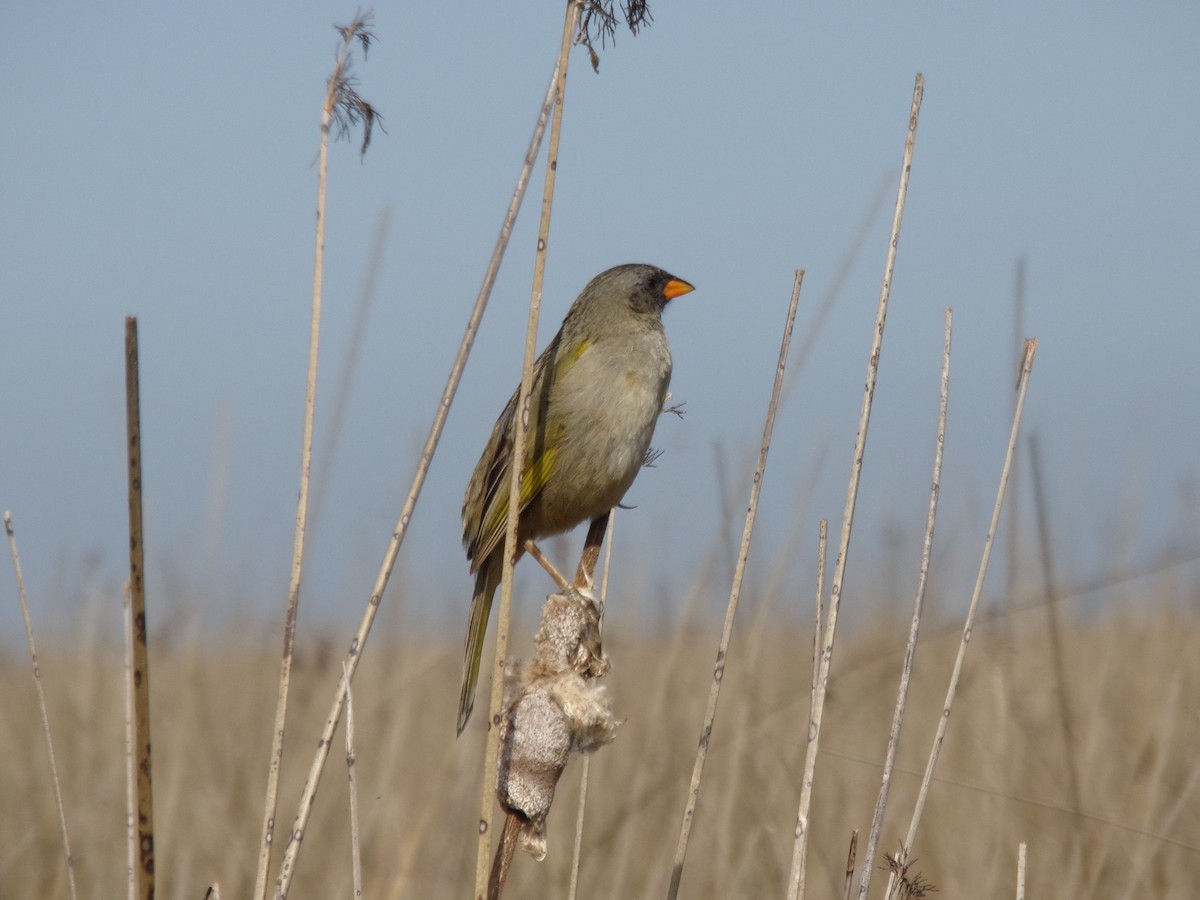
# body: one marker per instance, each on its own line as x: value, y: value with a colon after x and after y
x: 585, y: 769
x: 131, y: 841
x: 141, y: 662
x: 355, y: 843
x: 41, y: 698
x: 487, y: 802
x: 850, y: 863
x: 1021, y: 871
x: 734, y: 593
x: 270, y: 804
x: 797, y: 875
x: 910, y: 651
x: 358, y: 644
x: 944, y: 718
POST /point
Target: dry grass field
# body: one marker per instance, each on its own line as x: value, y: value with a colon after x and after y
x: 1132, y: 678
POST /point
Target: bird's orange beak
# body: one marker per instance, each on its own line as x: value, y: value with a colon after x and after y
x: 676, y: 288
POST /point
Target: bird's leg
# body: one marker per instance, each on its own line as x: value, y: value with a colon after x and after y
x: 591, y: 551
x: 559, y: 579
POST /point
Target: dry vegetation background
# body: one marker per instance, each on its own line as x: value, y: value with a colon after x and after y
x: 1132, y: 677
x: 1075, y: 730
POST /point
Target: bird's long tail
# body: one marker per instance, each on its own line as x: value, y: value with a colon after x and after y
x: 487, y: 579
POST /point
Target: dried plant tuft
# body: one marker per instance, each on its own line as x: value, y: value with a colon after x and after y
x: 349, y: 109
x: 906, y: 886
x: 599, y: 22
x: 552, y: 707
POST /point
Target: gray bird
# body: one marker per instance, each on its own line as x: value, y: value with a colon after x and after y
x: 597, y: 392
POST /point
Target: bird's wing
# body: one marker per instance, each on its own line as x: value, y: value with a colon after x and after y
x: 489, y: 487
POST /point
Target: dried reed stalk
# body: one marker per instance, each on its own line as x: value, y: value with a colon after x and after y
x: 358, y: 644
x: 140, y: 685
x: 355, y: 834
x: 848, y: 885
x: 818, y: 619
x: 487, y: 801
x: 41, y: 698
x: 799, y: 847
x: 710, y: 714
x: 944, y: 718
x: 910, y: 650
x: 131, y: 841
x: 339, y: 94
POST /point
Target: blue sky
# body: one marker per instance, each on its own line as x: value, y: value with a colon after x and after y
x: 159, y: 161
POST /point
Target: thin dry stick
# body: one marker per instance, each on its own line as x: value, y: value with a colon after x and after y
x: 944, y: 718
x: 334, y: 96
x: 739, y: 572
x: 41, y: 697
x: 1021, y: 871
x: 487, y: 801
x: 850, y: 861
x: 355, y: 844
x: 585, y: 769
x: 141, y: 661
x: 799, y: 848
x: 910, y: 651
x: 131, y: 841
x: 822, y: 544
x: 1014, y: 518
x: 287, y: 867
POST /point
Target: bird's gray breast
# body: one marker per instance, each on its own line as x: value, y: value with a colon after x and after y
x: 614, y: 394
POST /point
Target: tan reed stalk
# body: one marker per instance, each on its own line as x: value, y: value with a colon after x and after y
x: 850, y: 863
x: 799, y: 848
x: 1021, y: 871
x: 131, y: 841
x: 141, y: 661
x: 910, y: 650
x: 739, y: 572
x: 944, y: 718
x: 338, y: 92
x: 585, y: 769
x: 487, y: 802
x: 358, y: 644
x: 355, y: 834
x: 818, y: 619
x: 1014, y: 558
x: 41, y: 698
